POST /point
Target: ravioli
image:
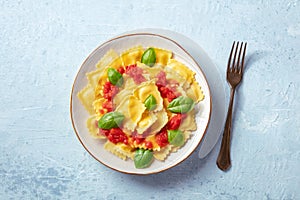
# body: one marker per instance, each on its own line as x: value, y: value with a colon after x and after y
x: 149, y: 88
x: 182, y: 70
x: 129, y: 86
x: 94, y: 77
x: 97, y: 104
x: 114, y: 149
x: 195, y: 92
x: 91, y: 125
x: 162, y: 56
x: 108, y: 58
x: 174, y: 75
x: 131, y: 55
x: 86, y: 96
x: 132, y: 109
x: 148, y: 119
x: 162, y: 120
x: 186, y: 135
x: 163, y: 153
x: 151, y: 72
x: 188, y: 123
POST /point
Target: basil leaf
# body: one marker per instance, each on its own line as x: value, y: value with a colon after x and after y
x: 175, y: 137
x: 150, y: 102
x: 142, y: 158
x: 115, y: 77
x: 181, y: 105
x: 149, y: 57
x: 111, y: 120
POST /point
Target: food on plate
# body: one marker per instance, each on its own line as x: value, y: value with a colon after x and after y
x: 142, y: 103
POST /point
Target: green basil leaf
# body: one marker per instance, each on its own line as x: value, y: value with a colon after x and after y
x: 175, y: 137
x: 111, y: 120
x: 181, y: 105
x: 142, y: 158
x: 115, y: 77
x: 149, y: 57
x: 150, y: 102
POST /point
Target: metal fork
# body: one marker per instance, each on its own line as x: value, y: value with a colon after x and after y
x: 235, y: 69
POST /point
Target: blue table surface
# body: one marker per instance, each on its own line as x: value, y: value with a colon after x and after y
x: 42, y: 45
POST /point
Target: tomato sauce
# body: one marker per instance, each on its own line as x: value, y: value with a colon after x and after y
x: 161, y: 79
x: 136, y: 73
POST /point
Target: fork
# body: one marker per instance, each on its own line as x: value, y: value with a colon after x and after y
x: 234, y: 75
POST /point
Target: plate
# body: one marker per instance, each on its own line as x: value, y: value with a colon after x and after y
x: 79, y: 115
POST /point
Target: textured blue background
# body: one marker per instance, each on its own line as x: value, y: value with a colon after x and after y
x: 42, y: 45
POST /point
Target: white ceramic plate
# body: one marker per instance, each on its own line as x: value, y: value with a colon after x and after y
x: 79, y: 115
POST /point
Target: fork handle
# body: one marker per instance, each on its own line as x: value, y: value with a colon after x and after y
x: 223, y: 160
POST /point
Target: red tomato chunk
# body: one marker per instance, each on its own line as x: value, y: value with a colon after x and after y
x: 115, y: 135
x: 148, y: 144
x: 166, y: 92
x: 162, y: 138
x: 121, y: 70
x: 175, y: 122
x: 108, y: 105
x: 109, y: 90
x: 139, y: 139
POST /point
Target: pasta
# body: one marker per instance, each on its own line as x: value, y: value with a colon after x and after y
x: 132, y: 109
x: 86, y: 97
x: 162, y: 56
x: 147, y: 88
x: 147, y: 120
x: 182, y: 70
x: 107, y: 59
x: 187, y: 135
x: 188, y: 124
x: 93, y: 129
x: 131, y: 55
x: 162, y: 120
x: 162, y: 154
x: 141, y: 101
x: 94, y: 76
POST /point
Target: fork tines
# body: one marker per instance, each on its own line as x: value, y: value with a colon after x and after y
x: 237, y: 66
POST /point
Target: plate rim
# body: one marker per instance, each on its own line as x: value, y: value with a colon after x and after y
x: 123, y: 36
